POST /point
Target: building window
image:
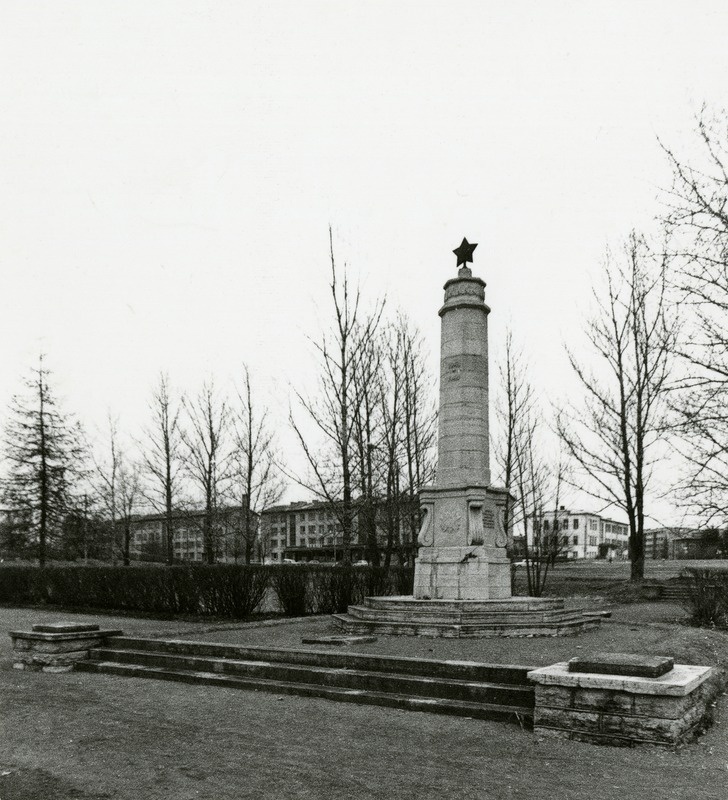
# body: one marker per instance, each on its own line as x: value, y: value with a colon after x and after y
x: 576, y: 540
x: 576, y: 523
x: 593, y: 524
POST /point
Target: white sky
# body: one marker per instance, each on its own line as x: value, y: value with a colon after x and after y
x: 168, y: 171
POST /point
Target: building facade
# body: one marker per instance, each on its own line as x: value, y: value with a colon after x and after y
x: 685, y: 543
x: 312, y: 532
x: 230, y: 536
x: 582, y: 535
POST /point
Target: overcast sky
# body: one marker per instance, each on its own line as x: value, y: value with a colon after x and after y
x: 168, y: 172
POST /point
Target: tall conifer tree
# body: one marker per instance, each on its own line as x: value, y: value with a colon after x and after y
x: 43, y: 450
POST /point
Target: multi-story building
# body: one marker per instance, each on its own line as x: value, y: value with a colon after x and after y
x: 582, y: 534
x: 659, y: 542
x: 313, y: 532
x: 230, y: 536
x: 682, y: 543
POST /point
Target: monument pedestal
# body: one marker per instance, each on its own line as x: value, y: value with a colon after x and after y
x: 462, y: 553
x: 462, y: 573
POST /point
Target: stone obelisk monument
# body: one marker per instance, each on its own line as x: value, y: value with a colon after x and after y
x: 462, y: 582
x: 462, y: 553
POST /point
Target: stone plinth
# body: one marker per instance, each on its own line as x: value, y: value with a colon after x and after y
x: 460, y: 619
x: 462, y: 552
x: 56, y: 647
x: 619, y: 709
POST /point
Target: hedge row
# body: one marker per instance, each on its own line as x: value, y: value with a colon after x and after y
x: 228, y: 591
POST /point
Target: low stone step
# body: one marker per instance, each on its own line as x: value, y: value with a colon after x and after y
x: 566, y: 627
x: 508, y: 605
x: 462, y: 617
x: 523, y: 716
x: 449, y: 669
x: 411, y: 685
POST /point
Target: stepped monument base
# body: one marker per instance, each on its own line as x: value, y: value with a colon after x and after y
x: 461, y: 619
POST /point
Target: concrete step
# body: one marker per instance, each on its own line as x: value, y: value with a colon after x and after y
x: 522, y: 715
x: 367, y: 680
x: 674, y: 591
x: 513, y: 674
x: 565, y: 627
x: 366, y: 613
x: 509, y: 605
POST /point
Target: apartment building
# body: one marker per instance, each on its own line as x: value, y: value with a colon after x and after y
x: 583, y: 534
x: 312, y: 532
x: 229, y: 534
x: 685, y: 543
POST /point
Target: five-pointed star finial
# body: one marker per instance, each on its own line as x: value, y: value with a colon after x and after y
x: 465, y: 252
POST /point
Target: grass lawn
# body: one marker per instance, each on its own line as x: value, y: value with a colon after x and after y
x: 89, y: 736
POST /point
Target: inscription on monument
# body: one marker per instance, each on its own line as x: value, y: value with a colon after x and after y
x: 453, y: 371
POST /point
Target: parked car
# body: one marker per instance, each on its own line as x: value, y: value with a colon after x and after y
x: 361, y: 563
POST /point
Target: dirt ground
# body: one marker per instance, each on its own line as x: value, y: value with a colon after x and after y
x: 89, y: 737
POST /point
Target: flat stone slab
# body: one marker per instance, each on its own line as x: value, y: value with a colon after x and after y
x: 59, y: 637
x: 64, y: 627
x: 623, y: 664
x: 681, y: 680
x: 338, y: 640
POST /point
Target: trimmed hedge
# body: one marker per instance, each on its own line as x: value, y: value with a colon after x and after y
x: 220, y: 590
x: 332, y: 589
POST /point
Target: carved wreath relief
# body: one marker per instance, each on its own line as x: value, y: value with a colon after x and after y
x: 450, y: 522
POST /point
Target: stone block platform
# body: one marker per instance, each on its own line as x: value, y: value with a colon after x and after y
x: 623, y: 709
x: 56, y: 647
x: 513, y: 616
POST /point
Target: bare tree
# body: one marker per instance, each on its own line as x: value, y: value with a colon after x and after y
x: 513, y: 412
x: 366, y: 436
x: 44, y: 450
x: 256, y: 478
x: 531, y: 478
x: 107, y: 484
x: 161, y: 456
x: 419, y: 428
x: 331, y: 413
x: 129, y: 486
x: 407, y: 440
x: 697, y: 221
x: 611, y: 435
x: 208, y: 457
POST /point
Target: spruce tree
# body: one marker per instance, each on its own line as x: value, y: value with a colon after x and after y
x: 43, y: 452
